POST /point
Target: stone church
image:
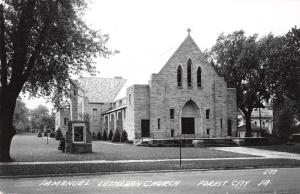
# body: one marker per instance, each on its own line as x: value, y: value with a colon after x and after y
x: 185, y: 98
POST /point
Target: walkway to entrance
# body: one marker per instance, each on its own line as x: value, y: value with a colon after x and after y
x: 259, y: 152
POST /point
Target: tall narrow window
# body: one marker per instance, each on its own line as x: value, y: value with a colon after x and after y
x: 229, y: 127
x: 129, y: 99
x: 189, y: 73
x: 94, y: 114
x: 221, y: 123
x: 171, y: 113
x: 207, y: 113
x: 158, y: 123
x: 179, y: 76
x: 199, y: 77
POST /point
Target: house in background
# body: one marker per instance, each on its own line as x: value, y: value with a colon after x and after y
x: 186, y: 98
x: 265, y: 117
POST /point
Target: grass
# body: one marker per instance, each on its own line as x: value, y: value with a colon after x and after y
x: 31, y: 148
x: 282, y: 148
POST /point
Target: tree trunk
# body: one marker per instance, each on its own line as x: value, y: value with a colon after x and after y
x: 248, y: 125
x: 7, y: 131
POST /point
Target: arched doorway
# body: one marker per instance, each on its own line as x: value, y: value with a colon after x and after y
x: 189, y: 117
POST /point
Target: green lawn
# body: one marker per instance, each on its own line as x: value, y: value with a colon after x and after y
x: 31, y: 148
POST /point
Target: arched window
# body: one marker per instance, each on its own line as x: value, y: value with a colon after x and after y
x: 189, y: 73
x: 199, y: 77
x: 179, y: 76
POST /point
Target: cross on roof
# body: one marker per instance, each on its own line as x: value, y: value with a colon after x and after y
x: 189, y: 31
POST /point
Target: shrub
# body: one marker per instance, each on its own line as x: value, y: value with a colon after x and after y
x: 40, y: 134
x: 99, y: 136
x: 124, y: 136
x: 45, y: 134
x: 59, y: 134
x: 94, y: 136
x: 110, y: 134
x: 52, y: 134
x: 116, y: 136
x: 104, y: 136
x: 62, y: 144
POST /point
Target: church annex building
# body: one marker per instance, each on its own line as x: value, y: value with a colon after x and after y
x: 186, y: 98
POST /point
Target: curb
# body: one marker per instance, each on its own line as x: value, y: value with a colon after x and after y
x: 62, y: 168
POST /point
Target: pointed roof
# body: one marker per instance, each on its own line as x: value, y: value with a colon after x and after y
x: 187, y: 44
x: 100, y: 90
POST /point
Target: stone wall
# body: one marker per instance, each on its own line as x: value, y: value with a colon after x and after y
x: 130, y: 120
x: 141, y: 106
x: 232, y: 109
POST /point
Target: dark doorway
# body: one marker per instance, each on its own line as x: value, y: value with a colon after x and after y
x: 145, y: 128
x: 188, y: 125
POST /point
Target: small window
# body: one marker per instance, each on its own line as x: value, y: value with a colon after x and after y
x: 158, y: 123
x: 179, y: 76
x: 124, y: 113
x: 172, y: 113
x: 94, y: 114
x: 199, y: 77
x: 119, y: 115
x: 172, y: 132
x: 189, y: 73
x: 66, y: 120
x: 106, y: 118
x: 208, y: 132
x: 129, y: 99
x: 112, y: 117
x: 207, y: 113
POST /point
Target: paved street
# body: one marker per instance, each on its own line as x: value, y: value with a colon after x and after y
x: 274, y: 180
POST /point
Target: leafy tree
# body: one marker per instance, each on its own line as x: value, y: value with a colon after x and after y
x: 21, y: 116
x: 42, y: 43
x: 58, y: 135
x: 104, y: 136
x: 283, y: 67
x: 240, y: 60
x: 116, y: 136
x: 40, y: 117
x: 124, y: 136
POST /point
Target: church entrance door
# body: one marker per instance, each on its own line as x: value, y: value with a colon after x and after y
x: 145, y: 128
x: 190, y: 118
x: 188, y: 125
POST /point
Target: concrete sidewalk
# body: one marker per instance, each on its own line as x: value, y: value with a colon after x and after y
x: 104, y: 166
x: 260, y: 152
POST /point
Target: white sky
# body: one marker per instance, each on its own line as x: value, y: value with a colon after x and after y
x: 147, y: 32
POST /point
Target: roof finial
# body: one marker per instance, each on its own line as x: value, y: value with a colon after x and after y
x: 189, y: 31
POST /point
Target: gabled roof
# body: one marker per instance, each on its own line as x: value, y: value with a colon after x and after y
x: 187, y: 44
x: 122, y: 93
x: 100, y: 90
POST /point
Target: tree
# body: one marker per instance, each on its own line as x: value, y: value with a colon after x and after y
x: 240, y: 60
x: 283, y: 76
x: 21, y: 116
x: 42, y: 44
x: 41, y: 119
